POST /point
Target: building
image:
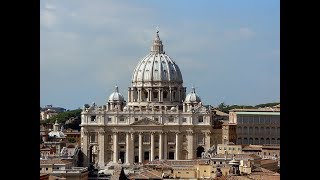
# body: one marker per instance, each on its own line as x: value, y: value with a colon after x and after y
x: 256, y: 126
x: 230, y: 148
x: 49, y: 111
x: 48, y: 165
x: 229, y: 134
x: 74, y: 173
x: 158, y: 121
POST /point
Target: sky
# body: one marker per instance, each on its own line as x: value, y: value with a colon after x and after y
x: 229, y: 50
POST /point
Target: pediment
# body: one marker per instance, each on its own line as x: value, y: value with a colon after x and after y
x: 146, y: 122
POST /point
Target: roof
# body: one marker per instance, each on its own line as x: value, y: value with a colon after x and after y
x: 252, y: 148
x: 237, y: 156
x: 271, y: 147
x: 267, y: 110
x: 54, y: 161
x: 220, y: 113
x: 156, y: 66
x: 57, y: 134
x: 192, y: 96
x: 267, y: 161
x: 116, y: 95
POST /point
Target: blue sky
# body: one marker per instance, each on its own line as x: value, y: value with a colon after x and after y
x: 229, y: 49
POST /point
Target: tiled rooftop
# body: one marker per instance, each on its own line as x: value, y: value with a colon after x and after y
x: 54, y: 161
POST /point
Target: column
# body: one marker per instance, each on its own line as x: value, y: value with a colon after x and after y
x: 152, y: 146
x: 115, y: 147
x: 101, y: 140
x: 140, y: 147
x: 207, y: 140
x: 170, y: 94
x: 139, y: 94
x: 160, y: 146
x: 177, y: 154
x: 190, y: 145
x: 165, y: 146
x: 149, y: 94
x: 132, y: 94
x: 128, y: 144
x: 85, y: 149
x: 129, y: 94
x: 159, y: 95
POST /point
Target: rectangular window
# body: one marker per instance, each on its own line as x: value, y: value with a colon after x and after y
x: 135, y: 119
x: 47, y: 169
x: 93, y: 118
x: 156, y: 119
x: 109, y: 119
x: 165, y: 94
x: 121, y: 119
x: 184, y: 119
x: 200, y: 119
x: 155, y: 95
x: 171, y: 119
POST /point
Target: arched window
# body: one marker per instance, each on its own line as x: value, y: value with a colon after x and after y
x: 165, y: 94
x: 251, y: 130
x: 256, y: 130
x: 200, y: 149
x: 267, y: 131
x: 278, y: 141
x: 239, y: 141
x: 267, y: 141
x: 256, y: 141
x: 262, y: 141
x: 273, y: 141
x: 262, y: 130
x: 245, y: 130
x: 239, y: 130
x: 251, y: 141
x: 200, y: 139
x: 245, y: 141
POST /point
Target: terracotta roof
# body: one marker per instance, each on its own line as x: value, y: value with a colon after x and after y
x: 237, y: 156
x: 54, y: 161
x: 266, y: 109
x: 252, y: 148
x: 267, y: 161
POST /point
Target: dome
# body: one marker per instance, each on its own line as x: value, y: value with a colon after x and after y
x: 116, y: 96
x: 192, y: 97
x: 157, y: 66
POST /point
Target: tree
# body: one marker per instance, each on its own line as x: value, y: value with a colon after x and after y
x: 64, y: 116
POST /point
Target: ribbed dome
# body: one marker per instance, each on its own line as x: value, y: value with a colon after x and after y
x: 116, y: 96
x: 157, y: 66
x: 192, y: 97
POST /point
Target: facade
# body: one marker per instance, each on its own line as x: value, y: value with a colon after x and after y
x: 230, y: 148
x: 229, y: 134
x: 49, y: 165
x: 159, y: 120
x: 256, y: 126
x: 49, y: 111
x: 74, y: 173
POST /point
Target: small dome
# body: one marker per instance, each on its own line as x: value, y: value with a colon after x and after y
x: 116, y: 96
x: 192, y: 97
